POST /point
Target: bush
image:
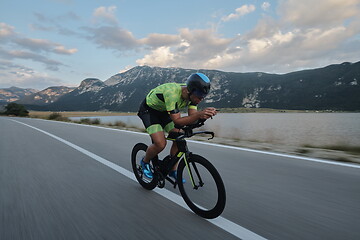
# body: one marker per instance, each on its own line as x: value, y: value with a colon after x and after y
x: 90, y: 121
x: 57, y: 117
x: 95, y: 121
x: 54, y: 116
x: 16, y: 110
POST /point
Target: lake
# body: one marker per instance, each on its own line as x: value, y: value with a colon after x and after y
x: 317, y: 129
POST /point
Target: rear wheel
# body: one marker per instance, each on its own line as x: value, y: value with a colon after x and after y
x: 207, y: 196
x: 138, y: 153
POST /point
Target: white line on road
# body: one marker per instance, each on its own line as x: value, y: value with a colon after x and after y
x: 220, y: 222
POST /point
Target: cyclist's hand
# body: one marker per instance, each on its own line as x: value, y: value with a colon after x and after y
x: 207, y: 113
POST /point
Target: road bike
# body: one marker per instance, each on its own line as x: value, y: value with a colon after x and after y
x: 199, y: 182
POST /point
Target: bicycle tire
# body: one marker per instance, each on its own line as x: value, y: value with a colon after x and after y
x: 201, y: 163
x: 137, y: 153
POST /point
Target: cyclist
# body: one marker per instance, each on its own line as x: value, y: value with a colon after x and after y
x: 161, y: 111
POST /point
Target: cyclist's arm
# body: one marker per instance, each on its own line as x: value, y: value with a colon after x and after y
x: 192, y: 111
x: 193, y: 116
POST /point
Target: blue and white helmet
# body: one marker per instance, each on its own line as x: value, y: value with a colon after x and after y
x: 198, y: 84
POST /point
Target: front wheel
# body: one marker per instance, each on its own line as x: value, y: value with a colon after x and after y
x: 203, y: 190
x: 138, y: 153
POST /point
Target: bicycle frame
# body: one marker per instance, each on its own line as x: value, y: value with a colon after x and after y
x: 182, y: 154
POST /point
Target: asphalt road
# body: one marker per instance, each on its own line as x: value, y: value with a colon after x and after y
x: 52, y: 186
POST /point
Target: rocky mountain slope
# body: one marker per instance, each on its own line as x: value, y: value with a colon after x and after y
x: 335, y: 87
x: 46, y: 96
x: 14, y: 93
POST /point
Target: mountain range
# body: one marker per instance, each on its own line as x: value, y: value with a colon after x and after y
x: 334, y: 87
x: 14, y: 93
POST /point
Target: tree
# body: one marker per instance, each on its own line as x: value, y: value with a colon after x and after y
x: 16, y: 109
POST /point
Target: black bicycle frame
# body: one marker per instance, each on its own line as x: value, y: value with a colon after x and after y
x: 165, y: 166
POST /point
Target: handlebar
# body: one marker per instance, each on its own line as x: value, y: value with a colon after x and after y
x: 188, y: 130
x: 197, y: 124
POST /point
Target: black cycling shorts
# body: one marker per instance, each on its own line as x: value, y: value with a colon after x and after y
x: 153, y: 120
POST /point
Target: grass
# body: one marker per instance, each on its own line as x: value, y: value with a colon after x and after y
x: 57, y: 117
x: 89, y: 121
x: 64, y: 116
x: 339, y: 147
x: 42, y: 114
x: 117, y: 124
x: 303, y: 151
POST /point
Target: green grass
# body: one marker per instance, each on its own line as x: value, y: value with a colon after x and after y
x: 339, y: 147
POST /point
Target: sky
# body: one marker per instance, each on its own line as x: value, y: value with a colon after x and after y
x: 47, y: 43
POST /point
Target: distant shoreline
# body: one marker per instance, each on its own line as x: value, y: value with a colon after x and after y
x: 78, y: 113
x: 221, y: 110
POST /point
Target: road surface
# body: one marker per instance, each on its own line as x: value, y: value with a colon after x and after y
x: 69, y: 181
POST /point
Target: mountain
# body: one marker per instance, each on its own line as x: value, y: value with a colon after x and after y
x: 14, y: 93
x: 46, y: 96
x: 334, y: 87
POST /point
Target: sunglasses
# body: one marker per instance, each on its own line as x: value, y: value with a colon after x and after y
x: 199, y: 94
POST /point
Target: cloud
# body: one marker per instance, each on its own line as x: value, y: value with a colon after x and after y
x: 265, y: 6
x: 69, y: 16
x: 56, y: 24
x: 62, y: 50
x: 161, y: 56
x: 106, y: 14
x: 239, y: 12
x: 39, y: 45
x: 19, y: 47
x: 155, y: 40
x: 19, y: 54
x: 22, y: 76
x: 6, y: 31
x: 194, y: 48
x: 307, y: 13
x: 112, y: 37
x: 297, y: 38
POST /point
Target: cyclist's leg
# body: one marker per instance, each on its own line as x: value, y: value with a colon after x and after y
x: 174, y: 149
x: 170, y: 128
x: 153, y: 123
x: 158, y: 144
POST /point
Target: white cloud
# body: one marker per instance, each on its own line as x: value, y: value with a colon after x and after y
x: 239, y: 12
x: 18, y: 47
x: 161, y: 56
x: 194, y: 50
x: 308, y: 13
x: 265, y: 6
x: 22, y: 76
x: 6, y: 31
x: 20, y: 54
x: 106, y: 14
x: 158, y: 40
x: 62, y: 50
x: 43, y: 45
x: 113, y: 37
x: 273, y: 46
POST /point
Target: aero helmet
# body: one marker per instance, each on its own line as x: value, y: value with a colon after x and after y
x: 198, y: 84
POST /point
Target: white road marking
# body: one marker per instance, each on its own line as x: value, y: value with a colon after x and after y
x: 220, y: 222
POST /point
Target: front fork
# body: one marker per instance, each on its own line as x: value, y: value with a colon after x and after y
x: 186, y: 157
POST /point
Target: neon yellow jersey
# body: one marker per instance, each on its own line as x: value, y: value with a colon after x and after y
x: 167, y: 98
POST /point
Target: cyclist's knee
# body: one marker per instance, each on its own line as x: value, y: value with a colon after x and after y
x: 159, y: 141
x: 160, y: 145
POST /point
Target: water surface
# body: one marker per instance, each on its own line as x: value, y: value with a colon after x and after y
x: 317, y: 129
